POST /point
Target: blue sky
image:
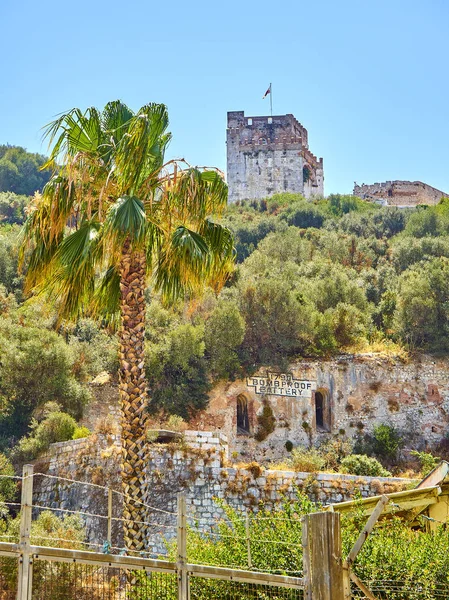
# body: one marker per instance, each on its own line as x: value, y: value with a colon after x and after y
x: 367, y: 78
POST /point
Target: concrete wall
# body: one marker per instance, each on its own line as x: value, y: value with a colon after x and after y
x: 399, y: 193
x: 359, y: 392
x: 266, y: 156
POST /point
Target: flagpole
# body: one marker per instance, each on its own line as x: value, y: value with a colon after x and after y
x: 271, y: 100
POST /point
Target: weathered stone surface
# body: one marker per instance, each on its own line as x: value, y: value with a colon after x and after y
x: 191, y: 471
x: 269, y: 155
x: 399, y: 193
x: 359, y: 391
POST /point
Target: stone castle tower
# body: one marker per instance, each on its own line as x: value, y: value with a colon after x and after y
x: 269, y: 155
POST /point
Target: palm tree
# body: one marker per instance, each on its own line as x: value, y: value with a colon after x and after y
x: 112, y: 219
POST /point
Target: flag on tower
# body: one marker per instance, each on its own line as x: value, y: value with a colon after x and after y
x: 267, y: 92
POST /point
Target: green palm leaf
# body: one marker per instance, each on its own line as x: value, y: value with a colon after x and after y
x: 106, y: 301
x: 126, y: 220
x: 73, y: 281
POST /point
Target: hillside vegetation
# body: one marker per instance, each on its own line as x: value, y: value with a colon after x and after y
x: 312, y: 279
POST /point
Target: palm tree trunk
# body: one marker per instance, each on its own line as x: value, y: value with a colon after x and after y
x: 133, y: 393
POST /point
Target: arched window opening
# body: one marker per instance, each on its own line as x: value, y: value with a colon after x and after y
x: 242, y: 415
x: 319, y: 409
x: 306, y: 174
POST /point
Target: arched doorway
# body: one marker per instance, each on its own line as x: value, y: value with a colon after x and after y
x: 322, y: 409
x: 242, y: 415
x: 319, y: 410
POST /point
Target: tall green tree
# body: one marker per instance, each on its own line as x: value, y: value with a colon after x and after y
x: 20, y: 171
x: 112, y: 219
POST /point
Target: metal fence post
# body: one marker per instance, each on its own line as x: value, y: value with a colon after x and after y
x: 24, y: 588
x: 109, y: 533
x: 183, y: 580
x: 323, y: 563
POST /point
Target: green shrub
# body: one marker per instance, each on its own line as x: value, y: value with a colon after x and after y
x: 360, y: 464
x: 334, y: 451
x: 8, y: 487
x: 384, y: 442
x: 36, y: 366
x: 307, y: 460
x: 427, y: 461
x: 55, y: 427
x: 224, y: 332
x: 80, y: 432
x: 387, y: 441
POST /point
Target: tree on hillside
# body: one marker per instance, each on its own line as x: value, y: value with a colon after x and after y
x: 20, y: 171
x: 113, y: 218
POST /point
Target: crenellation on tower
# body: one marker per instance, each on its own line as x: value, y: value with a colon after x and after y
x: 268, y: 155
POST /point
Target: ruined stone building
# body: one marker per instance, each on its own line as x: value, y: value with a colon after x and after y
x: 269, y: 155
x: 399, y: 193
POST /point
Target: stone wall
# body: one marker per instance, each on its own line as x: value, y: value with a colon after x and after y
x: 268, y: 155
x: 198, y: 466
x: 206, y: 479
x: 358, y: 392
x: 95, y: 460
x: 399, y: 193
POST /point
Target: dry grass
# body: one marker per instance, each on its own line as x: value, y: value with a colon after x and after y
x: 384, y: 348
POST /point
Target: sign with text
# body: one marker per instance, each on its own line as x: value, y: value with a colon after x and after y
x: 281, y: 384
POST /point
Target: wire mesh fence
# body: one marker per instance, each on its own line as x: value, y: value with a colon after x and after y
x: 219, y: 549
x: 8, y: 578
x: 388, y: 589
x: 62, y: 581
x: 202, y: 588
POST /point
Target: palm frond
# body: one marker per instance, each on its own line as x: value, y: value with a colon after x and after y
x: 73, y: 280
x: 106, y: 301
x: 44, y: 228
x: 218, y: 237
x: 115, y: 119
x: 74, y: 132
x: 196, y: 194
x: 126, y: 220
x: 140, y: 151
x: 155, y: 236
x: 183, y: 264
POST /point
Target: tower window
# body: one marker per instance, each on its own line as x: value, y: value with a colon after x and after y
x: 250, y: 121
x: 270, y: 120
x: 306, y: 174
x: 242, y: 415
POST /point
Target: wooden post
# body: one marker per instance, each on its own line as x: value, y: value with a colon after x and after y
x: 109, y: 534
x: 306, y: 559
x: 24, y: 588
x: 323, y: 564
x: 248, y: 541
x: 183, y: 582
x: 384, y: 500
x: 346, y: 581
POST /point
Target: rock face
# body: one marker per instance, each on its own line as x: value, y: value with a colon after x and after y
x: 269, y: 155
x: 399, y: 193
